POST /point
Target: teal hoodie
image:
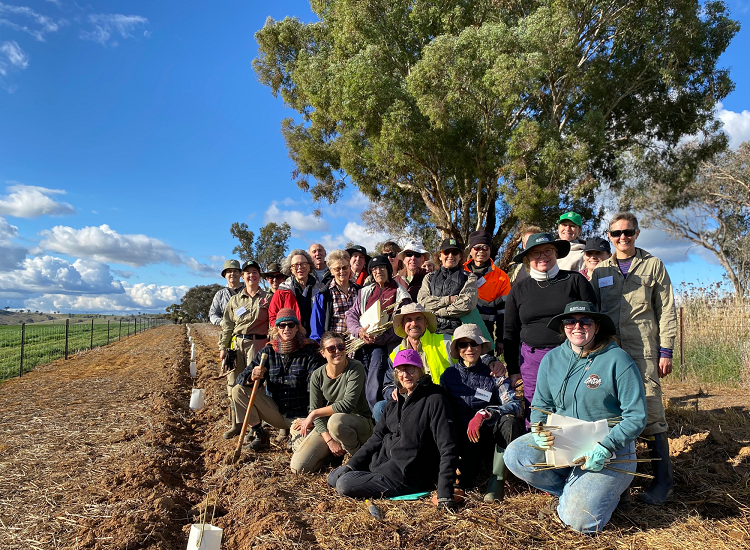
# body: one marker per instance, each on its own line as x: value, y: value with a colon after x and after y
x: 605, y: 384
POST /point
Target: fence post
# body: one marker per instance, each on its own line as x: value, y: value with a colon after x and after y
x: 683, y: 374
x: 107, y: 331
x: 128, y: 323
x: 119, y: 333
x: 23, y: 342
x: 67, y: 335
x: 91, y: 343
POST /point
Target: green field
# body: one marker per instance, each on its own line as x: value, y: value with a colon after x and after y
x: 46, y: 342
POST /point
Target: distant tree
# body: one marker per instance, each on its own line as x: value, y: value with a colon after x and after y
x: 270, y: 247
x: 197, y: 301
x: 711, y: 210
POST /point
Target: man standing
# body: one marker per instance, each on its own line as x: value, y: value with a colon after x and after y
x: 231, y: 273
x: 634, y: 289
x: 319, y: 267
x: 413, y: 256
x: 245, y: 319
x: 493, y: 284
x: 569, y: 229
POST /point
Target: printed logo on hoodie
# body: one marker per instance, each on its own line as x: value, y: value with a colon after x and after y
x: 593, y: 381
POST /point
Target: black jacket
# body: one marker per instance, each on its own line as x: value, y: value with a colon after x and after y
x: 414, y: 442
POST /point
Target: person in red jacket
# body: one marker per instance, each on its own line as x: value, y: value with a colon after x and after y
x: 493, y: 284
x: 298, y: 291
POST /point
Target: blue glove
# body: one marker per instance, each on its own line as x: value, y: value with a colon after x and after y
x: 542, y: 438
x: 593, y: 460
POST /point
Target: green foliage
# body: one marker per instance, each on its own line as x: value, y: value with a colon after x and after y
x: 471, y: 110
x: 196, y: 303
x: 270, y: 247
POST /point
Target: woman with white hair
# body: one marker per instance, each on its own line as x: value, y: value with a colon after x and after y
x: 298, y: 291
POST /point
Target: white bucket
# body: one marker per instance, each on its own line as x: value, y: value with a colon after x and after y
x: 193, y: 369
x: 197, y: 399
x: 211, y: 539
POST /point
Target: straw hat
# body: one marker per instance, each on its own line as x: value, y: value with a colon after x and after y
x: 473, y: 333
x: 410, y: 309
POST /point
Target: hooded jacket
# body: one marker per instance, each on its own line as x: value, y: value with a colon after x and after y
x: 291, y: 294
x: 414, y: 442
x: 641, y: 305
x: 605, y: 384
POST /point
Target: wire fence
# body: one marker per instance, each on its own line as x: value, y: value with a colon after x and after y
x: 26, y: 346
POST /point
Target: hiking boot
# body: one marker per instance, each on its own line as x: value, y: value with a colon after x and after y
x: 262, y: 441
x: 234, y: 431
x: 282, y: 436
x: 496, y: 483
x: 661, y: 489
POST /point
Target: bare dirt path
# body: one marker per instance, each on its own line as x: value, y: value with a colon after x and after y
x: 102, y: 452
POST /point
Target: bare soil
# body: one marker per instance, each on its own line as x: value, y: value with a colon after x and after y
x: 102, y: 452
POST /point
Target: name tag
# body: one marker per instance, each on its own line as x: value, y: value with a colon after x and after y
x: 606, y: 281
x: 484, y: 395
x: 480, y: 282
x: 241, y: 311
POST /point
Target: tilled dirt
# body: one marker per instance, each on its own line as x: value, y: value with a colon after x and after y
x: 102, y: 452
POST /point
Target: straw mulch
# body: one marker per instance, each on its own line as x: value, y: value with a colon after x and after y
x: 102, y: 451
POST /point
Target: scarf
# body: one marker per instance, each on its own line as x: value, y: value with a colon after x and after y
x: 544, y: 275
x: 285, y: 348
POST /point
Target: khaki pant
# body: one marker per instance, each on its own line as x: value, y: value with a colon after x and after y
x: 311, y: 453
x: 264, y: 407
x: 656, y: 420
x: 246, y: 351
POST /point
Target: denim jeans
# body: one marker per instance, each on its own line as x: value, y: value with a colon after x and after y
x: 587, y: 499
x: 356, y: 484
x: 375, y: 360
x: 377, y: 410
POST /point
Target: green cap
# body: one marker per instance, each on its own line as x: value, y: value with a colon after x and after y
x: 230, y: 264
x: 571, y: 217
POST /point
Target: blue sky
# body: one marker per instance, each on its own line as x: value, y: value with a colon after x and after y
x: 135, y: 133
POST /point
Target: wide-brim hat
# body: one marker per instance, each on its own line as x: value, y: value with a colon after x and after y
x: 537, y: 239
x: 415, y: 246
x: 584, y: 308
x: 362, y: 250
x: 411, y: 309
x: 230, y: 264
x: 251, y: 263
x: 473, y: 333
x: 273, y: 269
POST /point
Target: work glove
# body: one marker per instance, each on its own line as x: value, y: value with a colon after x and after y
x: 593, y: 460
x: 542, y: 438
x: 476, y: 423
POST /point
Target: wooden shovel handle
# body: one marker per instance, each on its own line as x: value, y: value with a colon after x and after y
x: 243, y: 431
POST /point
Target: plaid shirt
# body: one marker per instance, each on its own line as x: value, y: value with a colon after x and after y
x: 341, y: 304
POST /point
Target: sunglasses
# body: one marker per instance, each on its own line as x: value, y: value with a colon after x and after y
x: 583, y: 321
x: 617, y: 232
x: 411, y: 254
x: 392, y: 255
x: 283, y: 326
x: 481, y: 248
x: 451, y: 252
x: 276, y: 277
x: 332, y: 348
x: 467, y: 343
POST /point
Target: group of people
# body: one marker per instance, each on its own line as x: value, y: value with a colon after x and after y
x: 420, y: 397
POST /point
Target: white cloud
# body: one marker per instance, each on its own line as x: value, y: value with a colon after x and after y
x: 296, y: 219
x: 29, y: 201
x: 199, y: 269
x: 107, y: 24
x: 11, y: 255
x: 105, y: 244
x: 140, y: 297
x: 48, y: 274
x: 44, y: 23
x: 356, y: 233
x: 736, y: 125
x: 15, y: 54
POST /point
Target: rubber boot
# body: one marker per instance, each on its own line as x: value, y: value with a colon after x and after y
x: 661, y: 489
x: 236, y: 428
x: 262, y: 440
x: 496, y: 483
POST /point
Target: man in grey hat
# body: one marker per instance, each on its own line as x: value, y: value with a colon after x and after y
x: 413, y: 256
x: 231, y: 273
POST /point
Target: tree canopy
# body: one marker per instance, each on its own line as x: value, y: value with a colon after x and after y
x: 271, y: 244
x: 490, y: 113
x: 196, y: 303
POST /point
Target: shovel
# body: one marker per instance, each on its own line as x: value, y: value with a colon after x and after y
x: 256, y: 384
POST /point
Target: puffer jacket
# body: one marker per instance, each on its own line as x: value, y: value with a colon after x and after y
x: 642, y: 306
x: 414, y: 442
x: 438, y: 302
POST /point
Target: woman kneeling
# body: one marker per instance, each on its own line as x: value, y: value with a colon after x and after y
x: 590, y: 378
x: 412, y: 446
x: 339, y: 410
